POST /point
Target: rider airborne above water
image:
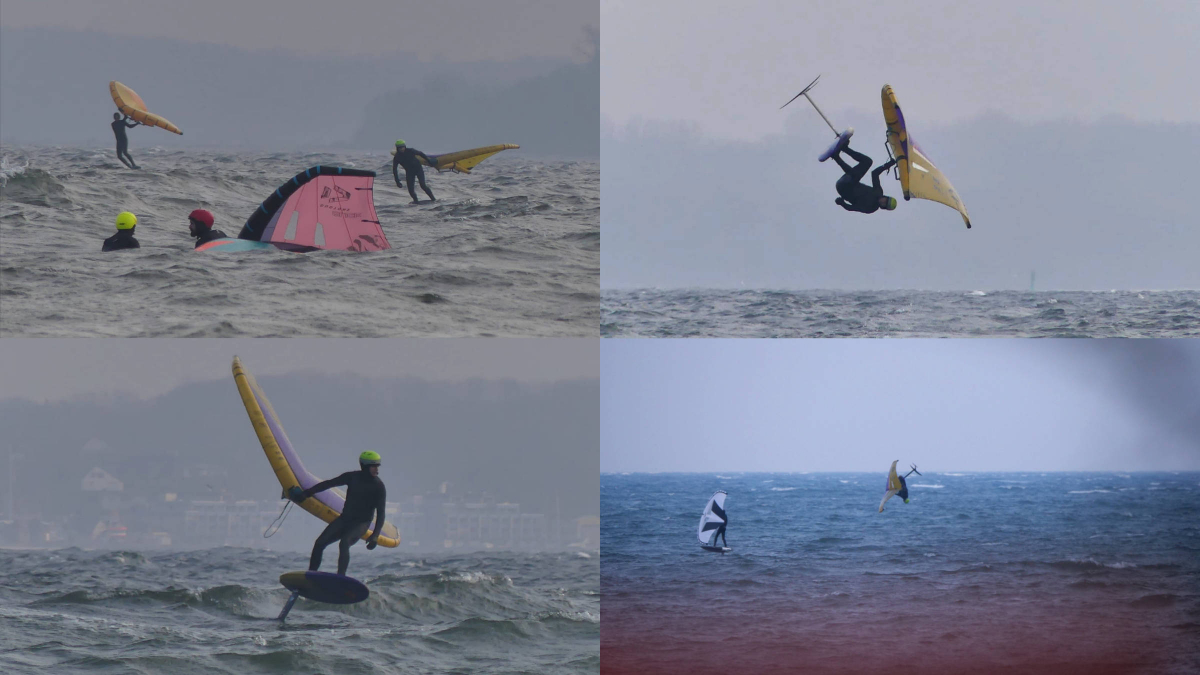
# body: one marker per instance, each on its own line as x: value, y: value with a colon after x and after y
x: 854, y: 195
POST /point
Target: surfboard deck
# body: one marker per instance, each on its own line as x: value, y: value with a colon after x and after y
x: 842, y: 141
x: 717, y: 549
x: 325, y: 587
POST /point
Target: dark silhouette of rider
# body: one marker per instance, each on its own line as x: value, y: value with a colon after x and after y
x: 854, y: 195
x: 720, y: 513
x: 119, y: 126
x: 365, y: 494
x: 413, y: 171
x: 720, y: 533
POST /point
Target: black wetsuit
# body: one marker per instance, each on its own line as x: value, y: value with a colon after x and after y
x: 365, y: 495
x: 903, y: 493
x: 209, y: 235
x: 123, y: 239
x: 412, y: 171
x: 720, y: 513
x: 118, y: 127
x: 855, y: 195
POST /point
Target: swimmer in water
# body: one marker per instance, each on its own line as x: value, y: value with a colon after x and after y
x: 123, y: 239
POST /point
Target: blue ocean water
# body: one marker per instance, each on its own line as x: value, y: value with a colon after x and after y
x: 988, y: 572
x: 212, y: 611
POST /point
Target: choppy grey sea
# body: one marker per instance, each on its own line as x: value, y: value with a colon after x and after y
x: 213, y: 611
x: 767, y: 313
x: 512, y: 249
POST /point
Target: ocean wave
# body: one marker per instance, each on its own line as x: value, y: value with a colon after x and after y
x: 8, y: 170
x: 521, y: 261
x: 1088, y: 564
x: 693, y: 312
x: 1155, y: 601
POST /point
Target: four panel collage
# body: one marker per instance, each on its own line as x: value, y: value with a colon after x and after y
x: 593, y: 336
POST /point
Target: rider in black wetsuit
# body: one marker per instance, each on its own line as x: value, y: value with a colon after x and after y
x: 903, y: 493
x: 118, y: 126
x: 720, y: 512
x: 123, y: 239
x: 407, y: 158
x: 364, y: 494
x: 200, y: 224
x: 720, y: 533
x: 854, y: 195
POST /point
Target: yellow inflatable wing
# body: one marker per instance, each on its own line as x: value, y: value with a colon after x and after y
x: 129, y: 103
x: 288, y: 469
x: 918, y: 176
x: 465, y: 160
x: 893, y: 486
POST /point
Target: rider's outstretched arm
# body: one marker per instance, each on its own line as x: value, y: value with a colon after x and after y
x: 880, y: 171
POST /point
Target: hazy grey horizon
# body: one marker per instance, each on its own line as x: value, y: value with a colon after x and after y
x: 285, y: 79
x: 685, y: 210
x: 450, y: 30
x: 52, y: 370
x: 949, y: 61
x: 439, y: 411
x: 855, y: 405
x: 1066, y: 128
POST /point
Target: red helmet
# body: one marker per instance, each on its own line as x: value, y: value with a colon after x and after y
x: 202, y: 216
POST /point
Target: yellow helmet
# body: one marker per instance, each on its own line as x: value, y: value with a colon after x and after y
x: 126, y: 220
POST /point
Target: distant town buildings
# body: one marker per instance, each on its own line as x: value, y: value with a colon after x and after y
x: 99, y: 480
x: 109, y: 515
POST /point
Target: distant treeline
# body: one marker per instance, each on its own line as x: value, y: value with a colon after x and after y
x: 517, y: 442
x: 552, y: 115
x: 54, y: 91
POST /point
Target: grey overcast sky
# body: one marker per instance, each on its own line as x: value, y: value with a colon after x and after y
x: 856, y: 405
x: 450, y: 30
x: 57, y: 369
x: 728, y: 68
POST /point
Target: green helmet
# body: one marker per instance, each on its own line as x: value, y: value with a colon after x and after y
x: 126, y: 220
x: 369, y: 458
x: 399, y: 143
x: 891, y: 204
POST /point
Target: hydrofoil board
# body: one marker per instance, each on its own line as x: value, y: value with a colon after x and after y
x: 323, y: 587
x: 842, y: 141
